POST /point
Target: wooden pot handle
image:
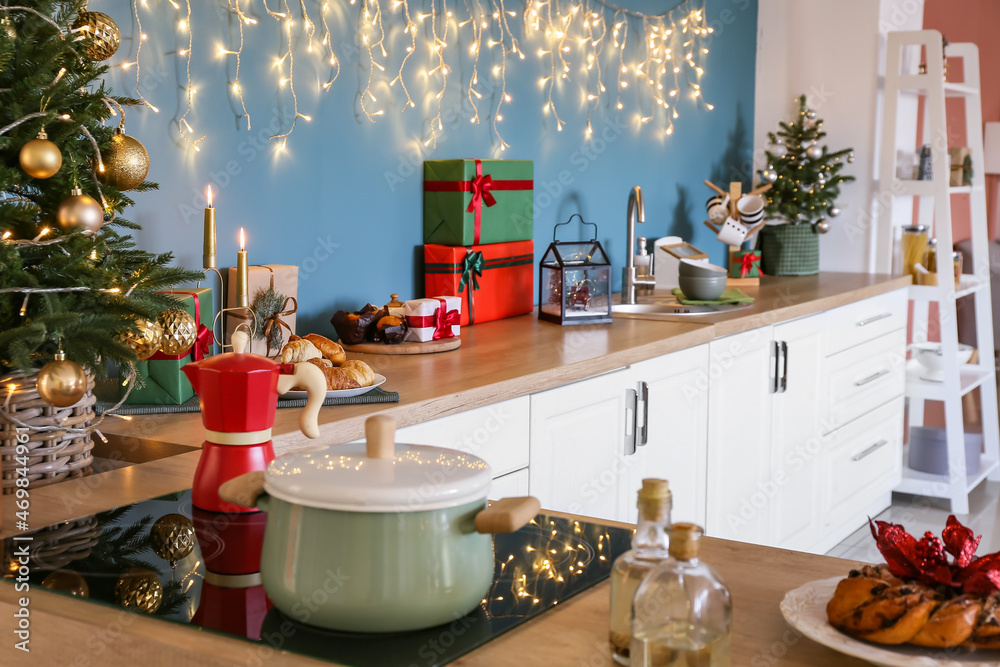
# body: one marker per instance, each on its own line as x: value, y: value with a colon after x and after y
x: 243, y: 490
x: 507, y: 515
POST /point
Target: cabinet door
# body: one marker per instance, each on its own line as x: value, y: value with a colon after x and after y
x: 579, y: 462
x: 676, y: 418
x: 741, y: 379
x: 797, y: 440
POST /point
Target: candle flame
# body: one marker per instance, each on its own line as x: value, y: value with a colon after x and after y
x: 210, y: 196
x: 243, y: 240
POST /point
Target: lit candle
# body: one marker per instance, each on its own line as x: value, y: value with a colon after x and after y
x: 208, y: 255
x: 241, y: 273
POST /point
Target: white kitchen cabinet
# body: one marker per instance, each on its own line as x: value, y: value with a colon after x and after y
x: 509, y: 485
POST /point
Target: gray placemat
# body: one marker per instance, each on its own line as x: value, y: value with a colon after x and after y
x: 106, y: 392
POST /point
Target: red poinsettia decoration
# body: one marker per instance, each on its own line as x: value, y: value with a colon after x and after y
x: 926, y: 559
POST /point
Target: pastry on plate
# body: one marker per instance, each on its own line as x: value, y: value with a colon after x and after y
x: 360, y: 371
x: 353, y: 328
x: 298, y: 351
x: 329, y: 349
x: 336, y: 378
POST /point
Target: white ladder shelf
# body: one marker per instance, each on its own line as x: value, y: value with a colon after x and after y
x: 934, y: 210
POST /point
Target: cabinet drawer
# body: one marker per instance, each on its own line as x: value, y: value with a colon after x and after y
x: 865, y: 461
x: 510, y: 485
x: 496, y: 433
x: 866, y: 320
x: 862, y: 378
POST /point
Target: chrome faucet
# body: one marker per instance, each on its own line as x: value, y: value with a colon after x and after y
x: 630, y: 280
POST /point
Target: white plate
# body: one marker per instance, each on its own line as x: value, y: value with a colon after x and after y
x: 339, y: 393
x: 805, y: 610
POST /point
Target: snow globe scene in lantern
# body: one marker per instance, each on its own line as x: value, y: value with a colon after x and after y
x: 574, y: 281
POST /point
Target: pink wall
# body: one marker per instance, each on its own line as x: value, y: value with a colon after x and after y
x: 973, y: 21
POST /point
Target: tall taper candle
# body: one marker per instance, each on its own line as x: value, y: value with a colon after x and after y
x: 208, y: 254
x: 242, y: 277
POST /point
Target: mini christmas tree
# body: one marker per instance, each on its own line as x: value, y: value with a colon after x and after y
x: 804, y: 174
x: 69, y: 277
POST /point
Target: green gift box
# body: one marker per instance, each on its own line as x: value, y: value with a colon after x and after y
x: 744, y: 264
x: 163, y: 381
x: 473, y: 202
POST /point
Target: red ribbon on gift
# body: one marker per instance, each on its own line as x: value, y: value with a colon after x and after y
x: 746, y: 263
x: 202, y: 342
x: 442, y: 320
x: 480, y: 187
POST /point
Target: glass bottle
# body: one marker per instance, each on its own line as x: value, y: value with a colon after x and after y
x: 682, y: 610
x: 914, y: 242
x: 649, y: 547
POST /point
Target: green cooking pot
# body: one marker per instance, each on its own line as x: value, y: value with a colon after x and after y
x: 377, y: 537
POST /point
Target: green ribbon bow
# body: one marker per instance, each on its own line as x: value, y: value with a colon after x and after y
x: 472, y: 268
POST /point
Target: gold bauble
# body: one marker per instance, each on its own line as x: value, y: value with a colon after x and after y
x: 139, y: 589
x: 105, y: 33
x: 80, y: 211
x: 146, y: 342
x: 40, y: 158
x: 67, y: 581
x: 61, y: 382
x: 126, y: 163
x: 172, y: 537
x: 179, y: 331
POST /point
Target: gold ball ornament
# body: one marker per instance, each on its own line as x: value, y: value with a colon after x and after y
x: 80, y: 211
x: 104, y: 32
x: 40, y: 158
x: 146, y: 341
x: 126, y: 162
x: 173, y: 537
x: 61, y: 382
x: 179, y: 331
x: 67, y: 581
x: 139, y: 589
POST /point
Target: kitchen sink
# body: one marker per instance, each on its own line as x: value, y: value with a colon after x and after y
x: 671, y: 308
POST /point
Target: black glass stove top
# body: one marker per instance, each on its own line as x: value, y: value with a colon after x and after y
x: 134, y: 557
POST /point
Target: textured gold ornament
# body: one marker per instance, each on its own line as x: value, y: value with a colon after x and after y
x: 62, y: 382
x: 139, y: 589
x: 67, y: 581
x: 173, y: 537
x: 179, y: 331
x: 126, y: 162
x: 147, y: 341
x: 80, y: 211
x: 40, y: 158
x: 105, y: 33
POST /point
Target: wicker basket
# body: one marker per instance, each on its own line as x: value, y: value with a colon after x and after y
x: 57, y: 546
x: 53, y: 455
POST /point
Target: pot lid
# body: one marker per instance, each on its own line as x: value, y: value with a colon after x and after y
x: 347, y: 478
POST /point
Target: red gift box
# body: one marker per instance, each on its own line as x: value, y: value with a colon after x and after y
x: 495, y: 280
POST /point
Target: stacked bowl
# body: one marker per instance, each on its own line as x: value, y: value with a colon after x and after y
x: 701, y: 281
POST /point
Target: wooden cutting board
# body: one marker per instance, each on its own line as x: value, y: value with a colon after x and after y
x: 406, y: 348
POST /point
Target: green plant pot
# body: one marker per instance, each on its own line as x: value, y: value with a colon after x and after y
x: 789, y: 250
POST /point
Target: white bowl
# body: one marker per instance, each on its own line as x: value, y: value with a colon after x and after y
x: 931, y: 357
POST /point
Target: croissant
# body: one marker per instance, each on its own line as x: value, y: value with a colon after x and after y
x: 336, y: 378
x: 360, y: 371
x: 299, y: 350
x: 874, y: 605
x: 330, y: 350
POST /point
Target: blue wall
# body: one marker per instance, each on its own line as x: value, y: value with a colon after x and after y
x: 344, y: 200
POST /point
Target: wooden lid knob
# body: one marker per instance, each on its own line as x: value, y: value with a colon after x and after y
x: 380, y: 436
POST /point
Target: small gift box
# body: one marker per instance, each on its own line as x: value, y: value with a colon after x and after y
x: 162, y: 379
x: 961, y: 166
x: 433, y: 319
x: 283, y: 279
x: 468, y: 202
x: 745, y: 264
x: 495, y: 281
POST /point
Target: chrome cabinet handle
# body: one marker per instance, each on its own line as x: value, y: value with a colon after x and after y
x: 630, y: 418
x: 871, y: 378
x: 776, y: 356
x: 873, y: 318
x: 643, y: 398
x: 871, y: 450
x: 784, y: 366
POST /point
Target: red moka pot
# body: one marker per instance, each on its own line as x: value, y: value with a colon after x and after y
x: 238, y: 393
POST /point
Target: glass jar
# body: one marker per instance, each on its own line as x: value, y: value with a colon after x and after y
x: 957, y: 260
x: 914, y: 243
x: 930, y: 257
x: 683, y: 613
x: 649, y: 548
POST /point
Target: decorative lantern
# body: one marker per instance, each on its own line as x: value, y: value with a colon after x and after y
x: 574, y: 281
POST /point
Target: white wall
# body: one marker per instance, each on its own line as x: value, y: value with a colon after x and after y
x: 831, y: 51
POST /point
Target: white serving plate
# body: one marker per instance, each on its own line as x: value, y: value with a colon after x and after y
x: 339, y: 393
x: 805, y: 610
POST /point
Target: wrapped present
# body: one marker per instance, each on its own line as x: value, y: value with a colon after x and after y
x: 744, y: 264
x: 283, y: 279
x: 961, y: 166
x: 495, y: 281
x: 433, y: 318
x: 162, y: 379
x: 472, y: 202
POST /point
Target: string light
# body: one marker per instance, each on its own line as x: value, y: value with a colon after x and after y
x: 183, y: 127
x: 411, y: 30
x: 376, y: 20
x: 286, y: 19
x: 241, y: 19
x: 328, y: 43
x: 138, y: 50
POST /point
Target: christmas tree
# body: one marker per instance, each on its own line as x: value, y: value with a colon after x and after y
x: 805, y: 175
x: 70, y: 275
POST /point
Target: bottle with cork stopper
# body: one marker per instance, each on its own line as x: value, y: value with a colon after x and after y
x: 649, y: 547
x: 683, y: 613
